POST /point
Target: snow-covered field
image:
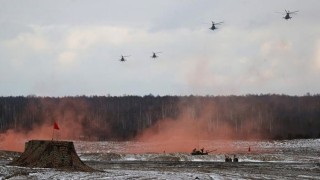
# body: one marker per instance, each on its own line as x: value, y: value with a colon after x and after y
x: 292, y: 159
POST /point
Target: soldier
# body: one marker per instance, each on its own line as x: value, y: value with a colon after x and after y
x: 235, y: 159
x: 227, y: 159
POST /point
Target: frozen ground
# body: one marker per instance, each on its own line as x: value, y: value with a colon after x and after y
x: 294, y: 159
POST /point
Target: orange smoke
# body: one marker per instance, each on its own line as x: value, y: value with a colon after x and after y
x: 69, y: 114
x: 187, y: 131
x: 182, y: 135
x: 13, y: 140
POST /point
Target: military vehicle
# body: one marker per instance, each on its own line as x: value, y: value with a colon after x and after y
x: 213, y: 26
x: 287, y: 14
x: 155, y: 55
x: 123, y: 58
x: 200, y: 152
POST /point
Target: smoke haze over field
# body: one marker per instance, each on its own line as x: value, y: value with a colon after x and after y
x: 178, y: 122
x: 184, y: 133
x: 70, y: 115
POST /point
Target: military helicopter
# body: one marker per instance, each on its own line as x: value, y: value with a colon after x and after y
x: 213, y: 27
x: 155, y: 55
x: 123, y: 58
x: 287, y: 14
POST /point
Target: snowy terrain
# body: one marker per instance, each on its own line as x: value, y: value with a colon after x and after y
x: 291, y: 159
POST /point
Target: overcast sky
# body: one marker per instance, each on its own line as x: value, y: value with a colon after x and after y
x: 73, y: 47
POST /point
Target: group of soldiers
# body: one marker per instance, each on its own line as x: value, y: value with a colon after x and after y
x: 229, y: 159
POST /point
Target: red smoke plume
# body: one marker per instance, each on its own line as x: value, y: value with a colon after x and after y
x: 187, y: 132
x: 196, y: 122
x: 69, y: 114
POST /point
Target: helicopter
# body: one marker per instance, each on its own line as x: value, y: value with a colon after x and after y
x: 213, y: 27
x: 287, y: 16
x: 123, y: 58
x: 155, y: 55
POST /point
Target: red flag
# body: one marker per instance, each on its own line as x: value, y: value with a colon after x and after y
x: 55, y: 126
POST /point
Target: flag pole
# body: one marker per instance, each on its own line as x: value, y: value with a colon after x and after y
x: 52, y: 133
x: 55, y: 126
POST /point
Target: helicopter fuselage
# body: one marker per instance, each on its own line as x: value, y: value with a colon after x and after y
x: 154, y: 55
x: 122, y: 59
x: 213, y: 27
x: 287, y: 17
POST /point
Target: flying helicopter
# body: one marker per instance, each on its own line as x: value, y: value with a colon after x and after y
x: 123, y: 58
x: 213, y: 27
x: 155, y: 55
x: 287, y: 14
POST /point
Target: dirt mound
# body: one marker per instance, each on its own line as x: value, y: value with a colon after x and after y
x: 51, y: 154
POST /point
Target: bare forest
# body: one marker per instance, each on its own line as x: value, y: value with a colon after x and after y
x: 129, y: 117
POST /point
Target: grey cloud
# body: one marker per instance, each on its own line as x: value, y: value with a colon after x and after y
x: 10, y: 30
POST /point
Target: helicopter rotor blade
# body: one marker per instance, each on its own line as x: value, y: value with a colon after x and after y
x: 218, y: 23
x: 293, y: 12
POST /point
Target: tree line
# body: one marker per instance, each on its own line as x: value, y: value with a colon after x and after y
x: 123, y: 118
